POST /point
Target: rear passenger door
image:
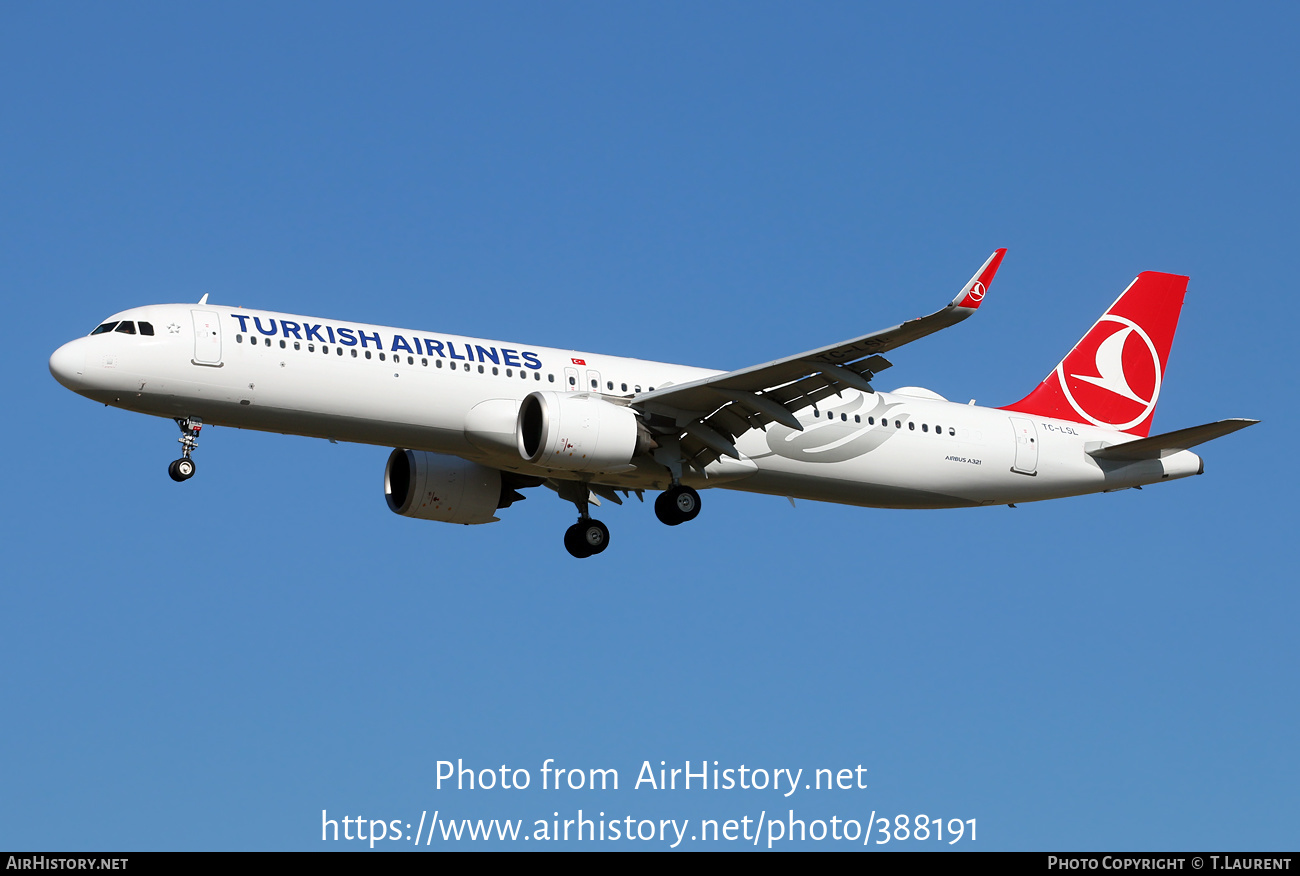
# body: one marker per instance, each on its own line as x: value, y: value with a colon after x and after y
x: 1026, y: 446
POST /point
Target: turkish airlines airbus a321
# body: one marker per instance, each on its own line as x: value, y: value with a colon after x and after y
x: 474, y: 421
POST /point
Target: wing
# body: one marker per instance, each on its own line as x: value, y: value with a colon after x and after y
x: 706, y: 416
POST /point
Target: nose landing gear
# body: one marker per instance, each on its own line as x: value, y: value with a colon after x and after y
x: 183, y: 468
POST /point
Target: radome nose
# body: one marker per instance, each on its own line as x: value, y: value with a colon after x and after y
x: 69, y: 363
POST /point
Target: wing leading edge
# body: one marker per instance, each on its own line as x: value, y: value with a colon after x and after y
x: 704, y: 417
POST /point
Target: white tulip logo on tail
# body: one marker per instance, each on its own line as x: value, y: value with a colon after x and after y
x: 1126, y: 364
x: 1111, y: 378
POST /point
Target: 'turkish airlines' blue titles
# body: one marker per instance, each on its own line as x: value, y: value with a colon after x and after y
x: 475, y: 421
x: 350, y: 336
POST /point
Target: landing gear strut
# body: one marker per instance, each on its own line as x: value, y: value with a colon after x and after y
x: 183, y: 468
x: 677, y: 504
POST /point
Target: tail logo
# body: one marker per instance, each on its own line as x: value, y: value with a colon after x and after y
x: 1125, y: 368
x: 977, y: 291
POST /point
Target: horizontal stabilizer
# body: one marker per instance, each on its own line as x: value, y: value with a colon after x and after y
x: 1158, y: 446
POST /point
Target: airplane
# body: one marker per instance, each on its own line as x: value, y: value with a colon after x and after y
x: 475, y: 421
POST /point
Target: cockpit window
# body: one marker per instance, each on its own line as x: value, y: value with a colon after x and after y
x: 146, y: 328
x: 127, y: 327
x: 103, y: 329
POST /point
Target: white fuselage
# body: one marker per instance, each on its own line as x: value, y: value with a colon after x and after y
x: 455, y: 395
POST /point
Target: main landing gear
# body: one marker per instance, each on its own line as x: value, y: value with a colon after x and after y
x: 677, y: 504
x: 183, y: 468
x: 586, y: 537
x: 589, y: 536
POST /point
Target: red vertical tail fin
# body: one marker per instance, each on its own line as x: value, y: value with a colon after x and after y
x: 1112, y: 377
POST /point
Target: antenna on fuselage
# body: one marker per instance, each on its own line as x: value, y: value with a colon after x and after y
x: 204, y: 299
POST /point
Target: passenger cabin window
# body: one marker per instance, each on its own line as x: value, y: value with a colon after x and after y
x: 105, y: 328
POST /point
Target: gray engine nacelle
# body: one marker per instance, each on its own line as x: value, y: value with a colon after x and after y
x: 431, y: 486
x: 578, y: 432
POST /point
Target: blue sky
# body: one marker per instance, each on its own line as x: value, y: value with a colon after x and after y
x: 209, y: 665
